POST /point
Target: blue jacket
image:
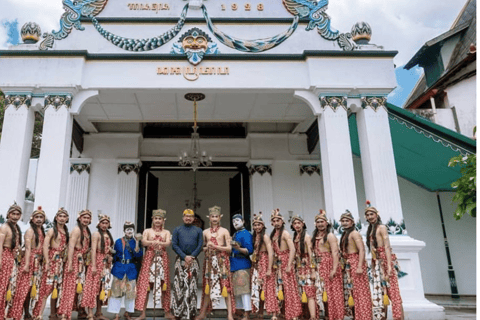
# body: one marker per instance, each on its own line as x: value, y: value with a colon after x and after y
x: 119, y: 269
x: 238, y: 261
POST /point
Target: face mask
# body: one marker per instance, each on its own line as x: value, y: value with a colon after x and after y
x: 238, y: 223
x: 129, y: 232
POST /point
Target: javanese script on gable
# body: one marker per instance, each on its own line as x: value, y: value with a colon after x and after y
x: 193, y: 73
x: 148, y: 6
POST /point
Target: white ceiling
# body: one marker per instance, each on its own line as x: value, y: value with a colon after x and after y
x: 160, y: 106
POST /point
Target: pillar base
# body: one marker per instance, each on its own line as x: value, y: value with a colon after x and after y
x: 422, y: 310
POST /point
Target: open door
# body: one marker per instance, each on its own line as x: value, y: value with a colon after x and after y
x: 152, y: 198
x: 240, y: 198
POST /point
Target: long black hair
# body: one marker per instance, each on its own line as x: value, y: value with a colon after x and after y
x: 315, y: 234
x: 372, y: 229
x: 262, y: 234
x: 81, y: 232
x: 280, y: 237
x: 35, y: 230
x: 102, y: 240
x: 302, y: 237
x: 344, y: 238
x: 15, y: 231
x: 55, y: 230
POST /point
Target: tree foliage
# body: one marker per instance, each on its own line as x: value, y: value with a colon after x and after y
x: 466, y: 187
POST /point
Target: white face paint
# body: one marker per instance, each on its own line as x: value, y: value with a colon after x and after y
x: 129, y: 232
x: 238, y: 223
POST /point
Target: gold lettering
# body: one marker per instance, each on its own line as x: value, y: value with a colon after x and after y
x: 248, y: 7
x: 227, y: 71
x: 166, y: 7
x: 234, y: 6
x: 155, y: 8
x: 223, y: 7
x: 260, y: 7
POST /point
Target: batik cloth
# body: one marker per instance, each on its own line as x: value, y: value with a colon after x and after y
x: 154, y: 270
x: 8, y: 276
x: 303, y: 268
x: 52, y: 277
x: 359, y: 286
x: 184, y: 301
x: 94, y: 284
x: 379, y: 270
x: 260, y: 282
x: 25, y: 280
x: 287, y: 282
x: 216, y: 272
x: 71, y: 280
x: 333, y: 287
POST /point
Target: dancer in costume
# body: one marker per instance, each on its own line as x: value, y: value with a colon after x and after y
x: 383, y: 270
x: 124, y: 272
x: 217, y: 279
x: 304, y: 266
x: 284, y: 255
x: 240, y: 264
x: 30, y: 272
x: 74, y: 272
x: 10, y: 243
x: 187, y: 242
x: 54, y: 251
x: 263, y: 282
x: 325, y: 251
x: 356, y: 282
x: 155, y: 271
x: 97, y: 283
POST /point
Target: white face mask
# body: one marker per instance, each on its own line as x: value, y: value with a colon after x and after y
x: 129, y: 232
x: 237, y: 223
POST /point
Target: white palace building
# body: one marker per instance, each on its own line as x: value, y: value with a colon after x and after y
x: 292, y: 114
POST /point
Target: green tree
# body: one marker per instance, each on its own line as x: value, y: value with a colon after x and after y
x: 466, y: 187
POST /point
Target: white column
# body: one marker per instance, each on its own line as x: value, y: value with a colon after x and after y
x: 15, y: 148
x: 378, y: 163
x: 312, y: 193
x: 336, y: 157
x: 261, y: 190
x: 77, y: 190
x: 53, y: 164
x: 126, y: 199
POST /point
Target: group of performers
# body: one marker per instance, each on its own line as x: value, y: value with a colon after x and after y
x: 300, y: 277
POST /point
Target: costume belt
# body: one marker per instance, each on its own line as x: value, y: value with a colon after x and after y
x: 124, y: 261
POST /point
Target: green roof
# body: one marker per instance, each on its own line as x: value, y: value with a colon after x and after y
x: 422, y: 149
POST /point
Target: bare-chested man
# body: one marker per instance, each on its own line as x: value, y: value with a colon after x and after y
x: 155, y: 271
x: 54, y: 248
x: 30, y: 271
x: 383, y: 269
x: 353, y: 254
x: 284, y: 255
x: 217, y: 279
x: 10, y: 242
x: 325, y: 250
x: 74, y: 273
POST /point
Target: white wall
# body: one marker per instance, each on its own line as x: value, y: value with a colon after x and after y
x: 463, y: 96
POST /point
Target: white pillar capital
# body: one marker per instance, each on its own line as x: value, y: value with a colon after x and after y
x: 56, y: 101
x: 334, y: 102
x: 374, y: 102
x: 128, y: 165
x: 17, y: 100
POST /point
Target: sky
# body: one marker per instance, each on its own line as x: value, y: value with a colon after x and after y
x: 401, y: 25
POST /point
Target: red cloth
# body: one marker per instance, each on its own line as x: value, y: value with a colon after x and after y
x: 69, y: 286
x: 143, y: 279
x: 304, y: 270
x: 24, y: 280
x: 393, y: 291
x: 271, y: 302
x: 334, y: 288
x: 5, y: 272
x: 92, y: 288
x: 361, y: 288
x: 55, y: 257
x: 293, y: 304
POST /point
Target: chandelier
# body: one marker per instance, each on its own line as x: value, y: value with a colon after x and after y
x: 194, y: 158
x: 194, y: 203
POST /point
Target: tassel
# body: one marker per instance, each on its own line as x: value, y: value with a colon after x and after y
x: 33, y: 293
x: 324, y: 296
x: 207, y: 289
x: 304, y: 297
x: 262, y: 295
x: 164, y: 288
x: 9, y: 295
x: 148, y: 288
x: 386, y: 302
x: 79, y: 288
x: 280, y: 295
x: 224, y: 292
x: 109, y: 293
x: 102, y: 295
x: 351, y: 303
x: 55, y: 294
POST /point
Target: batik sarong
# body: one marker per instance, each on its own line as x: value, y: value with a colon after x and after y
x: 95, y: 284
x: 52, y: 277
x: 154, y: 270
x: 184, y: 301
x: 262, y: 283
x: 287, y: 283
x: 8, y: 275
x: 379, y: 271
x: 25, y: 280
x: 358, y: 286
x: 334, y: 288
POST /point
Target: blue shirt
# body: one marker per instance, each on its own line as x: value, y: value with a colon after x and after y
x: 238, y: 261
x: 187, y: 240
x: 119, y: 269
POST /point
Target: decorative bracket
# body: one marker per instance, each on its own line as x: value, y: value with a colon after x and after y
x: 262, y: 169
x: 57, y: 101
x: 18, y: 100
x: 334, y: 102
x: 79, y: 168
x: 310, y: 169
x: 128, y: 167
x: 374, y: 102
